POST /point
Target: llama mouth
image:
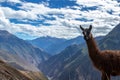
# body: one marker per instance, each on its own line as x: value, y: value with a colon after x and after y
x: 86, y: 38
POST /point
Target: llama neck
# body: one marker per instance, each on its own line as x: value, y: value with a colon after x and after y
x: 92, y: 48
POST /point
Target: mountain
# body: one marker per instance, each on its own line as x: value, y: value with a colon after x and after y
x: 71, y: 56
x: 47, y: 42
x: 54, y: 63
x: 18, y: 51
x: 112, y: 40
x: 9, y: 73
x: 55, y: 45
x: 22, y: 58
x: 57, y: 48
x: 79, y: 65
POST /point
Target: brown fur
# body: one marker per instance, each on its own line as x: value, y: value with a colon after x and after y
x: 107, y: 61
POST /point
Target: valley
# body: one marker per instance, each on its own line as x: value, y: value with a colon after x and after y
x: 71, y: 62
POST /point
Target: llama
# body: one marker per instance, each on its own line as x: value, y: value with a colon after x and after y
x: 106, y: 61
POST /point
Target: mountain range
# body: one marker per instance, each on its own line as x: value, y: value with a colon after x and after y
x: 20, y: 59
x: 66, y: 61
x: 71, y: 63
x: 55, y: 45
x: 79, y: 66
x: 18, y: 51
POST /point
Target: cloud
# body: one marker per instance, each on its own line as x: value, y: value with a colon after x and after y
x: 60, y: 22
x: 20, y: 14
x: 12, y: 1
x: 4, y: 22
x: 89, y: 3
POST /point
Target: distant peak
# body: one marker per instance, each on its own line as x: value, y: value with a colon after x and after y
x: 3, y: 31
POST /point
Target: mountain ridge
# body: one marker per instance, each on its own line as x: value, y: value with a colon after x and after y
x: 16, y: 50
x: 54, y: 45
x: 20, y: 59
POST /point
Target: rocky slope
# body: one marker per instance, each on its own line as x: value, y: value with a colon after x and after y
x: 15, y: 50
x: 21, y: 59
x: 9, y: 73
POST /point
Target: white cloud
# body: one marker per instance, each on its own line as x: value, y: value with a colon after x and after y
x: 90, y: 3
x: 20, y: 14
x: 13, y: 1
x: 63, y: 27
x: 54, y: 31
x: 4, y: 22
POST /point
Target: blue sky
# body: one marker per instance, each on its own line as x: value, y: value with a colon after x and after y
x: 29, y: 19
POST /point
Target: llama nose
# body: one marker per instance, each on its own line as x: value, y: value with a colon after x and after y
x: 86, y: 38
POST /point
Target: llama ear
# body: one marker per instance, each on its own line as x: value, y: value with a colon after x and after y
x: 81, y: 28
x: 90, y: 28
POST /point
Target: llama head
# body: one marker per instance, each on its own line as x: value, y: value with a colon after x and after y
x: 86, y: 32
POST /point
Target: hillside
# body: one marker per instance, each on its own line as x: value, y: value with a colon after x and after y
x: 20, y: 55
x: 9, y: 73
x: 17, y: 62
x: 34, y: 75
x: 54, y: 64
x: 79, y: 66
x: 15, y: 50
x: 112, y: 40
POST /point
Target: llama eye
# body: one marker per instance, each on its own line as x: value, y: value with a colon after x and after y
x: 83, y: 32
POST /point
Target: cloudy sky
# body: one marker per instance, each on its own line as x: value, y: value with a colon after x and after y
x: 29, y: 19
